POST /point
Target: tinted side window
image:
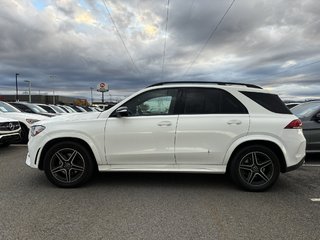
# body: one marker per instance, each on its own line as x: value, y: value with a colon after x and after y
x: 229, y: 104
x: 48, y: 109
x: 211, y: 101
x: 22, y: 107
x: 272, y: 102
x: 155, y: 102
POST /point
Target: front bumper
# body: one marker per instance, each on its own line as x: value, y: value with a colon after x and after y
x: 10, y: 138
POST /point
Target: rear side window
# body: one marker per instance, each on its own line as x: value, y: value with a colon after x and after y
x: 272, y: 102
x: 211, y: 101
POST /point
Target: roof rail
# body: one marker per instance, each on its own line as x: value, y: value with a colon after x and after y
x: 203, y: 82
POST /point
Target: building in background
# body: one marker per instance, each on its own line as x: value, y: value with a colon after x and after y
x: 46, y: 99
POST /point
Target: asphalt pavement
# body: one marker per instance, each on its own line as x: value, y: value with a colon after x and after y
x: 155, y: 206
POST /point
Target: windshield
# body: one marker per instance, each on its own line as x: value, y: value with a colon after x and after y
x: 306, y: 109
x: 4, y: 107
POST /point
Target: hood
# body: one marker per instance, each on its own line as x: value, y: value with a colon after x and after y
x: 21, y: 115
x: 4, y: 119
x: 72, y: 117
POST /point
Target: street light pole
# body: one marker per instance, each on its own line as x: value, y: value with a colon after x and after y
x: 29, y: 82
x: 17, y: 95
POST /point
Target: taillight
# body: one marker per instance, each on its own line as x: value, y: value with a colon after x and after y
x: 294, y: 124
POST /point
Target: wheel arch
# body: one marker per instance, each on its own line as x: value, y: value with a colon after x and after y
x: 24, y: 135
x: 54, y: 141
x: 267, y: 143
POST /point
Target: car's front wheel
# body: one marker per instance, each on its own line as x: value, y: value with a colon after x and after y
x: 255, y: 168
x: 68, y: 164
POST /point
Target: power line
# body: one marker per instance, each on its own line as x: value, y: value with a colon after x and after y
x: 289, y: 69
x: 215, y: 28
x: 191, y: 6
x: 118, y: 32
x: 165, y: 39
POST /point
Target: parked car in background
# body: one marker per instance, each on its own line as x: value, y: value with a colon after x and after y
x: 67, y: 108
x: 291, y: 105
x: 309, y: 113
x: 9, y: 131
x: 87, y: 109
x: 51, y: 108
x: 77, y: 108
x: 31, y: 108
x: 103, y: 107
x: 198, y: 127
x: 25, y: 119
x: 95, y: 109
x: 58, y: 109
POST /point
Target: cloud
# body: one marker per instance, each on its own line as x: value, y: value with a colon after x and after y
x: 269, y: 43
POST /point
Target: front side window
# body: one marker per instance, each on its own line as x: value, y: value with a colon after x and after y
x: 155, y: 102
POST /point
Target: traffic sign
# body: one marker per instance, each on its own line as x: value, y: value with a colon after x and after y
x: 102, y: 87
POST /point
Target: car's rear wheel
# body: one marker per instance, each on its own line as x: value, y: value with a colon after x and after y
x: 255, y: 168
x: 68, y: 164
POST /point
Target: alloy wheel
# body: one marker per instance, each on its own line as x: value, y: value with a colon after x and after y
x: 67, y: 165
x: 256, y: 168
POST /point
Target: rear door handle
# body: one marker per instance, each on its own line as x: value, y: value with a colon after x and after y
x: 164, y: 124
x: 236, y: 122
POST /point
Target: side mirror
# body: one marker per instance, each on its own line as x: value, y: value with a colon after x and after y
x: 317, y: 117
x: 122, y: 111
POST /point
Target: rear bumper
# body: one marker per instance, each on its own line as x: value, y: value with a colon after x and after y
x: 294, y: 167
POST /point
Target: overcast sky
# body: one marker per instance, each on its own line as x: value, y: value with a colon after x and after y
x: 274, y: 44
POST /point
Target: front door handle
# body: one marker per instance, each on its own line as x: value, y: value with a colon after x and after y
x: 236, y: 122
x: 164, y: 124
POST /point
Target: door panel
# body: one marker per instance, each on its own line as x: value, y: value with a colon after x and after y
x: 311, y: 131
x: 211, y: 120
x: 141, y: 140
x: 146, y: 135
x: 204, y: 139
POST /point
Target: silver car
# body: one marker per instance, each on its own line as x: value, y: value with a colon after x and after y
x: 309, y: 114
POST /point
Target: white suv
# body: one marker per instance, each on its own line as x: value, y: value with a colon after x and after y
x: 200, y: 127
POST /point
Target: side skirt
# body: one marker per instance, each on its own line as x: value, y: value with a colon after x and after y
x: 220, y: 169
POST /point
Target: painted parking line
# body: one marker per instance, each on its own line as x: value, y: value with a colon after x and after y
x: 311, y: 165
x: 315, y: 199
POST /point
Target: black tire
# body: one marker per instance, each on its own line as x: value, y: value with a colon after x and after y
x: 255, y: 168
x: 24, y: 133
x: 68, y: 164
x: 5, y: 144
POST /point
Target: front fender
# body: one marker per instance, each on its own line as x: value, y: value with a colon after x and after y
x: 96, y: 144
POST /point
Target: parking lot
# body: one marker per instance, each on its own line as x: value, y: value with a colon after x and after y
x: 155, y: 206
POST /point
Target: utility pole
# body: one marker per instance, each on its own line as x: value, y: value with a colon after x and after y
x: 29, y: 82
x: 17, y: 94
x: 53, y: 96
x: 91, y: 95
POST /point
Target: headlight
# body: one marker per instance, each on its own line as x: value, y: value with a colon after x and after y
x: 36, y: 129
x: 30, y: 121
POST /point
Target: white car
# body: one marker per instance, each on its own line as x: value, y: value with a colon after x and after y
x: 198, y: 127
x: 25, y: 119
x: 9, y: 131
